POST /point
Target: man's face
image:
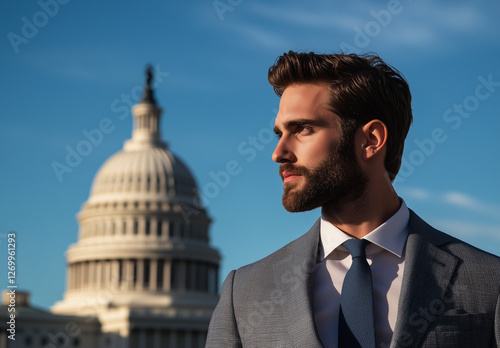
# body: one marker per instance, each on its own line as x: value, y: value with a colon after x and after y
x: 318, y: 163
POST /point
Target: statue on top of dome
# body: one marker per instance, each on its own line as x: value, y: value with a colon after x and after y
x: 148, y: 90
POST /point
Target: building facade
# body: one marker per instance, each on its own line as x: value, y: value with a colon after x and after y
x: 142, y: 269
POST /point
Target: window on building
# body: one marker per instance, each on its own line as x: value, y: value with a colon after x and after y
x: 134, y: 272
x: 159, y: 274
x: 202, y: 277
x: 182, y: 231
x: 120, y: 272
x: 171, y: 232
x: 147, y: 269
x: 212, y: 279
x: 190, y: 275
x: 158, y: 228
x: 178, y: 276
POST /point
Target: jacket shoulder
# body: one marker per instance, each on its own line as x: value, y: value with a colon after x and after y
x: 301, y: 249
x: 468, y: 255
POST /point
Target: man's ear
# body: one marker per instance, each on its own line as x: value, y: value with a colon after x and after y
x: 374, y: 138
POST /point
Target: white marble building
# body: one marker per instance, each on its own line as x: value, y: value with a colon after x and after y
x: 143, y: 269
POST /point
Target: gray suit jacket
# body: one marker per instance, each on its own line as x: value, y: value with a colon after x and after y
x: 450, y: 296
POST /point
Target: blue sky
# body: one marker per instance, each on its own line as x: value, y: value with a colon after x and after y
x: 67, y: 66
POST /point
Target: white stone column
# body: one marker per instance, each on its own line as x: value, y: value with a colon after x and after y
x: 101, y: 274
x: 114, y: 275
x: 82, y: 275
x: 139, y: 283
x: 75, y: 277
x: 95, y: 273
x: 153, y: 269
x: 124, y: 281
x: 81, y: 270
x: 70, y: 277
x: 129, y: 274
x: 78, y: 284
x: 167, y: 271
x: 90, y: 274
x: 98, y: 275
x: 85, y: 275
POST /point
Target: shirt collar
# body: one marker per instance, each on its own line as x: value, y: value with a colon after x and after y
x: 391, y: 235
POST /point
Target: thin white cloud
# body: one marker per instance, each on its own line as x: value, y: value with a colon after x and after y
x: 465, y: 229
x: 411, y: 34
x: 462, y: 200
x: 311, y: 17
x: 416, y: 193
x: 457, y: 17
x: 261, y: 36
x: 414, y: 24
x: 453, y: 198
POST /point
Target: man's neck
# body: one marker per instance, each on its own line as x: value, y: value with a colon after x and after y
x: 360, y: 217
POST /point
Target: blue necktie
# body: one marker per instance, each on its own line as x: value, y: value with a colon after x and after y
x: 356, y: 319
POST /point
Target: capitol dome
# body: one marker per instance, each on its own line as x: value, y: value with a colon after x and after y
x: 143, y: 263
x: 149, y: 174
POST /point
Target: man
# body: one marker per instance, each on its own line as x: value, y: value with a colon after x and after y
x: 341, y: 125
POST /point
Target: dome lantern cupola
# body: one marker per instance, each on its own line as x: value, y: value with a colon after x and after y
x: 146, y: 132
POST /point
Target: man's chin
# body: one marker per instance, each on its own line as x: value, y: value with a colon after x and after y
x: 294, y: 204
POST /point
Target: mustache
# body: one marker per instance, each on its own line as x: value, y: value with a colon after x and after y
x: 288, y: 167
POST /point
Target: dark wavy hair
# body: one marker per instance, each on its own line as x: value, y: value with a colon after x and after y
x: 362, y: 88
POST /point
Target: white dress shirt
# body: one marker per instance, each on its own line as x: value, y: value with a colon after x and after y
x: 386, y: 259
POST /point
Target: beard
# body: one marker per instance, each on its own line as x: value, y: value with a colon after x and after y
x: 336, y: 180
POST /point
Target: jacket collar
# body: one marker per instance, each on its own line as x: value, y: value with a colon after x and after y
x: 295, y: 276
x: 427, y: 275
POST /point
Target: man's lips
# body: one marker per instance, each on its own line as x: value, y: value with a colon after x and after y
x: 289, y: 177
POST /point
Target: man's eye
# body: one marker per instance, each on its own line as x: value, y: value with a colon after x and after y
x: 304, y: 130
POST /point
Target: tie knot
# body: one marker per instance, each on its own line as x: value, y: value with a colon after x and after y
x: 356, y: 247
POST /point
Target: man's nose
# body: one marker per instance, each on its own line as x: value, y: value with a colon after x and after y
x: 283, y: 152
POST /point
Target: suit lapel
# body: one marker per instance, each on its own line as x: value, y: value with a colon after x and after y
x: 294, y: 277
x: 427, y: 275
